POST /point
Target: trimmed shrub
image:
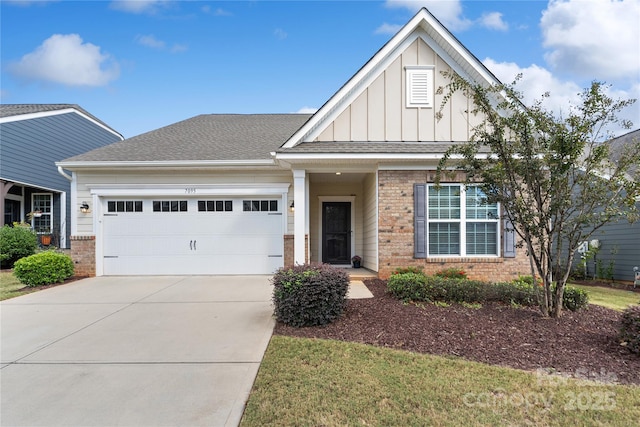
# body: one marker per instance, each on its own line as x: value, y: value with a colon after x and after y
x: 630, y: 329
x: 452, y: 273
x: 309, y: 295
x: 516, y: 292
x: 403, y: 270
x: 43, y: 268
x: 16, y: 242
x: 409, y: 286
x: 575, y: 299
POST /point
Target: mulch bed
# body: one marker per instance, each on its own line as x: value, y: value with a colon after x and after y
x: 580, y: 344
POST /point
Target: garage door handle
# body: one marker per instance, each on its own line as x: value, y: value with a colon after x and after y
x: 274, y: 256
x: 190, y: 245
x: 194, y: 245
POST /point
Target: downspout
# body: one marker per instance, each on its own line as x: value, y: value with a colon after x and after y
x: 63, y: 173
x: 63, y: 211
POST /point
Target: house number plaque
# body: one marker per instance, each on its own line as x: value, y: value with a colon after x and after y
x: 190, y: 190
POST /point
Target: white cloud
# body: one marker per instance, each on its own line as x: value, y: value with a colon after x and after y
x: 594, y: 39
x: 449, y: 13
x: 139, y: 6
x: 150, y: 41
x: 536, y: 81
x: 493, y: 21
x: 65, y: 59
x: 217, y: 12
x: 388, y: 29
x: 306, y: 110
x: 280, y: 34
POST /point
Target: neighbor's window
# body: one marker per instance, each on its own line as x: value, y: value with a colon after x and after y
x: 43, y: 204
x: 461, y: 222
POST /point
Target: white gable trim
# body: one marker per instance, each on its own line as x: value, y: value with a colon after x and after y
x: 30, y: 116
x: 424, y: 26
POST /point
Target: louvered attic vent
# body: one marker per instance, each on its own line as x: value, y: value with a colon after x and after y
x: 419, y: 86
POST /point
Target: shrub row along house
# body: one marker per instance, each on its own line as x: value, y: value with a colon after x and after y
x: 246, y: 194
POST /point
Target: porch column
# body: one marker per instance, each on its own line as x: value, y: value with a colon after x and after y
x: 299, y: 216
x: 4, y: 189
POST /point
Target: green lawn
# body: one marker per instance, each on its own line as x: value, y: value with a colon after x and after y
x: 10, y: 286
x: 305, y: 382
x: 616, y: 299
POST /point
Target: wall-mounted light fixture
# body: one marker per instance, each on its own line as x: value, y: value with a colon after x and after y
x: 292, y: 206
x: 84, y: 207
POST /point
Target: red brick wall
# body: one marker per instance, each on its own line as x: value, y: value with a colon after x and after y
x: 396, y: 240
x: 289, y: 251
x: 83, y: 254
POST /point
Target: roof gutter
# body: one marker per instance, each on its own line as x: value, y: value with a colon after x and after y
x: 63, y: 173
x: 164, y: 163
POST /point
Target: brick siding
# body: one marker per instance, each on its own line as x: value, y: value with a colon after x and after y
x: 83, y: 254
x: 396, y: 239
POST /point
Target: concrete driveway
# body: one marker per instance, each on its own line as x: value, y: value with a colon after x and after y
x: 134, y: 351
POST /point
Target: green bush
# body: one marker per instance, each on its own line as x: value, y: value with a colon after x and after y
x: 452, y: 273
x: 418, y: 287
x: 575, y: 299
x: 309, y: 295
x: 402, y: 270
x: 43, y: 268
x: 409, y: 286
x: 630, y: 329
x: 16, y: 242
x: 518, y: 292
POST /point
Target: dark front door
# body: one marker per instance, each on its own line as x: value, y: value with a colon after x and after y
x: 336, y: 232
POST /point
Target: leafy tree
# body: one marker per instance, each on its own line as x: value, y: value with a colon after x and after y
x: 553, y: 176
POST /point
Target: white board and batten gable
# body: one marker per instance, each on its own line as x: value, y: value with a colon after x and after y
x: 397, y: 95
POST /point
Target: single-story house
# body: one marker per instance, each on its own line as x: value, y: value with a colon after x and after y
x: 32, y: 138
x: 229, y: 194
x: 619, y: 241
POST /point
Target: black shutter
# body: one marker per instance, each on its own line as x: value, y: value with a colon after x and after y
x: 420, y: 220
x: 509, y: 238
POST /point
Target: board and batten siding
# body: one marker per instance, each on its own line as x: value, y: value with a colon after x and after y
x: 370, y: 222
x: 87, y: 179
x: 380, y: 113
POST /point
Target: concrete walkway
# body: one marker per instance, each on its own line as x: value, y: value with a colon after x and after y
x: 134, y: 351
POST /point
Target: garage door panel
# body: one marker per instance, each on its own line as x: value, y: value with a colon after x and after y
x: 194, y: 242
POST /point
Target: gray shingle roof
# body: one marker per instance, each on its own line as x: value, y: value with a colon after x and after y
x: 10, y: 110
x: 370, y: 147
x: 204, y: 137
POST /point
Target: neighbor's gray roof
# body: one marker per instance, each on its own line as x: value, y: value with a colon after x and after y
x: 204, y: 137
x: 371, y: 147
x: 10, y: 110
x: 617, y: 146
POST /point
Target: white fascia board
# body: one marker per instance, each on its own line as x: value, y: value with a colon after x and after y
x: 189, y: 190
x: 165, y: 164
x: 27, y: 184
x: 41, y: 114
x: 365, y: 156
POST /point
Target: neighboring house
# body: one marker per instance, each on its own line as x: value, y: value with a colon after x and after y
x: 32, y: 138
x: 619, y: 249
x: 246, y: 194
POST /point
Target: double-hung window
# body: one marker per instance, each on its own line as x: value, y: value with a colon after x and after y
x: 457, y: 221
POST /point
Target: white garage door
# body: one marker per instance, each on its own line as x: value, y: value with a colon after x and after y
x: 163, y: 236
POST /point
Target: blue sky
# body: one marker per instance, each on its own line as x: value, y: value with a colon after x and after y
x: 140, y: 65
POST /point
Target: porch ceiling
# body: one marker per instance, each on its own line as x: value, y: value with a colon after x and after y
x: 332, y: 178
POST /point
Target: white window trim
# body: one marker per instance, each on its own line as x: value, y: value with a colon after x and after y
x: 463, y: 220
x: 49, y: 214
x: 425, y: 74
